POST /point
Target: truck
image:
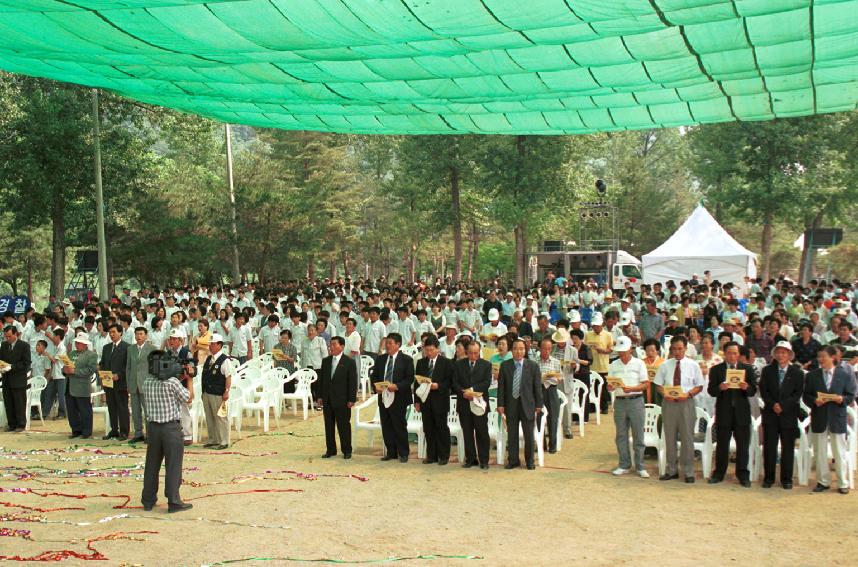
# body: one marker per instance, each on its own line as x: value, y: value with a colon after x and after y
x: 615, y: 267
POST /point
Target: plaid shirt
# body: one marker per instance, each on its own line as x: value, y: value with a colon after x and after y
x: 550, y: 365
x: 162, y: 399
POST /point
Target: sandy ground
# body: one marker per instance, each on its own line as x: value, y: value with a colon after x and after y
x: 570, y: 511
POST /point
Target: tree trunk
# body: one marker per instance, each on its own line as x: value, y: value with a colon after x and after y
x: 233, y: 209
x: 266, y: 249
x: 333, y: 264
x: 311, y: 268
x: 470, y: 273
x: 58, y: 247
x: 521, y: 255
x: 805, y: 250
x: 473, y: 272
x: 457, y: 224
x: 30, y: 280
x: 766, y: 245
x: 346, y: 270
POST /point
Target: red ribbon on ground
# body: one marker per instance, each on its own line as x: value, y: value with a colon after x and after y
x: 63, y: 554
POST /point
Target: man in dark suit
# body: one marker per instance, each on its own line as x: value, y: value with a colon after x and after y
x: 16, y: 354
x: 114, y: 357
x: 476, y: 374
x: 781, y: 386
x: 732, y: 414
x: 397, y: 369
x: 337, y: 395
x: 520, y: 400
x: 828, y: 417
x: 437, y: 403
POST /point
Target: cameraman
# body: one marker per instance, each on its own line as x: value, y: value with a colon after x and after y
x: 164, y: 400
x: 185, y: 359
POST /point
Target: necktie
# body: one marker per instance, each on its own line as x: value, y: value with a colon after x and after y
x: 828, y: 379
x: 472, y: 366
x: 388, y: 372
x: 516, y: 381
x: 334, y: 362
x: 431, y: 366
x: 677, y: 374
x: 781, y: 375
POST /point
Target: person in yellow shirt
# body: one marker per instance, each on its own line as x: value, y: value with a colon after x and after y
x: 601, y: 344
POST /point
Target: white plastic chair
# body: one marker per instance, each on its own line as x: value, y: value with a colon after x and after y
x: 366, y: 365
x: 34, y: 398
x: 409, y: 350
x: 283, y: 377
x: 370, y: 421
x: 561, y: 413
x: 706, y: 446
x: 579, y: 392
x: 303, y: 378
x: 597, y: 388
x: 263, y: 399
x: 652, y: 436
x: 852, y: 443
x: 198, y: 414
x: 96, y: 396
x: 496, y: 429
x: 234, y: 410
x: 538, y: 437
x: 414, y: 424
x: 456, y: 429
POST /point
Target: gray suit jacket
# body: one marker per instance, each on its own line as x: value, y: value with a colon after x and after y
x: 137, y: 366
x: 531, y: 386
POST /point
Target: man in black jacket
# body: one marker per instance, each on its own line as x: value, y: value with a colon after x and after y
x: 16, y: 354
x: 781, y: 387
x: 474, y: 373
x: 338, y: 393
x: 436, y: 405
x: 114, y: 357
x: 396, y: 369
x: 732, y: 414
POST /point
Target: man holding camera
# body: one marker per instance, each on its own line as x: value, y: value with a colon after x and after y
x: 164, y: 397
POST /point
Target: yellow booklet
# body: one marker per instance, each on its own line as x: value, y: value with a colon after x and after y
x: 674, y: 392
x: 65, y: 360
x: 826, y: 397
x: 420, y: 379
x: 277, y: 354
x: 383, y: 385
x: 735, y: 378
x: 4, y: 365
x: 615, y: 382
x: 473, y: 393
x: 106, y: 378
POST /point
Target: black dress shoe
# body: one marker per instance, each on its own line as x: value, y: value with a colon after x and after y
x: 552, y: 451
x: 443, y: 462
x: 820, y: 488
x: 531, y: 467
x: 689, y: 480
x: 484, y: 467
x: 137, y: 439
x: 221, y: 447
x: 180, y: 507
x: 767, y: 484
x: 386, y: 458
x: 568, y: 436
x: 210, y: 445
x: 73, y: 435
x: 108, y: 437
x: 715, y: 480
x: 121, y: 437
x: 467, y: 465
x: 347, y: 455
x: 843, y: 490
x: 403, y: 459
x: 19, y: 430
x: 328, y: 455
x: 745, y: 483
x: 10, y: 429
x: 429, y: 461
x: 86, y: 436
x: 787, y: 486
x: 148, y: 508
x: 668, y: 477
x: 512, y: 466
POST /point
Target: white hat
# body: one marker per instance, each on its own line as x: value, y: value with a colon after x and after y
x: 83, y: 339
x: 561, y: 335
x: 785, y: 345
x: 177, y: 334
x: 216, y: 338
x: 574, y: 316
x: 509, y: 294
x: 625, y: 320
x: 493, y: 315
x: 450, y: 326
x: 624, y: 344
x: 478, y: 406
x: 673, y: 318
x: 597, y: 319
x: 442, y: 292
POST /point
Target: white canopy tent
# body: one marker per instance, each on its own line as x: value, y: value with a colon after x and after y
x: 698, y: 245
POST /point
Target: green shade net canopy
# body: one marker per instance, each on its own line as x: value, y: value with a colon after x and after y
x: 449, y: 66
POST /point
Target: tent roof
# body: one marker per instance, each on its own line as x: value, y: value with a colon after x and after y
x: 449, y: 66
x: 700, y: 236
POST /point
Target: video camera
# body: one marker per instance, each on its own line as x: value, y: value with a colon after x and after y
x: 164, y: 364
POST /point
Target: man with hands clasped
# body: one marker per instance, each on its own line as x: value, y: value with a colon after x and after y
x: 679, y: 380
x: 781, y: 386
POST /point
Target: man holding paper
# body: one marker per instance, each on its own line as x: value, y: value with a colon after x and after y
x: 114, y: 357
x: 550, y: 370
x: 474, y: 376
x: 679, y: 380
x: 393, y: 376
x: 628, y: 378
x: 732, y: 385
x: 432, y: 399
x: 829, y: 390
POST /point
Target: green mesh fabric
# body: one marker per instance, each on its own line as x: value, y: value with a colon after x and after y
x: 449, y: 66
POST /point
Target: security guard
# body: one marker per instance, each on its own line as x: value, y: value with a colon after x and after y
x: 216, y: 381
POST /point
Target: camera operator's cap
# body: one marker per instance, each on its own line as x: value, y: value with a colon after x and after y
x: 83, y: 339
x: 493, y: 314
x: 597, y: 319
x: 216, y: 338
x: 574, y: 316
x: 624, y: 344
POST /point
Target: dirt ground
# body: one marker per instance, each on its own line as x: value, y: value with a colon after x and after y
x: 570, y: 511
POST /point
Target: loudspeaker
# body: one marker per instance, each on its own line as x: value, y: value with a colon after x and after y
x: 87, y: 260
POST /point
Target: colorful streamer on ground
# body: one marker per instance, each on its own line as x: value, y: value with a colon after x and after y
x: 429, y: 557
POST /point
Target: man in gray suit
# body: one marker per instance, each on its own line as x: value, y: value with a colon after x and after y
x: 136, y: 372
x: 828, y: 417
x: 519, y: 401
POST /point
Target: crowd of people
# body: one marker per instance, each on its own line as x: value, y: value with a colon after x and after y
x: 738, y: 351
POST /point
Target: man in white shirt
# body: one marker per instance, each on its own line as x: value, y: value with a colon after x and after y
x: 629, y: 406
x: 241, y: 340
x: 269, y: 335
x: 678, y: 409
x: 375, y: 333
